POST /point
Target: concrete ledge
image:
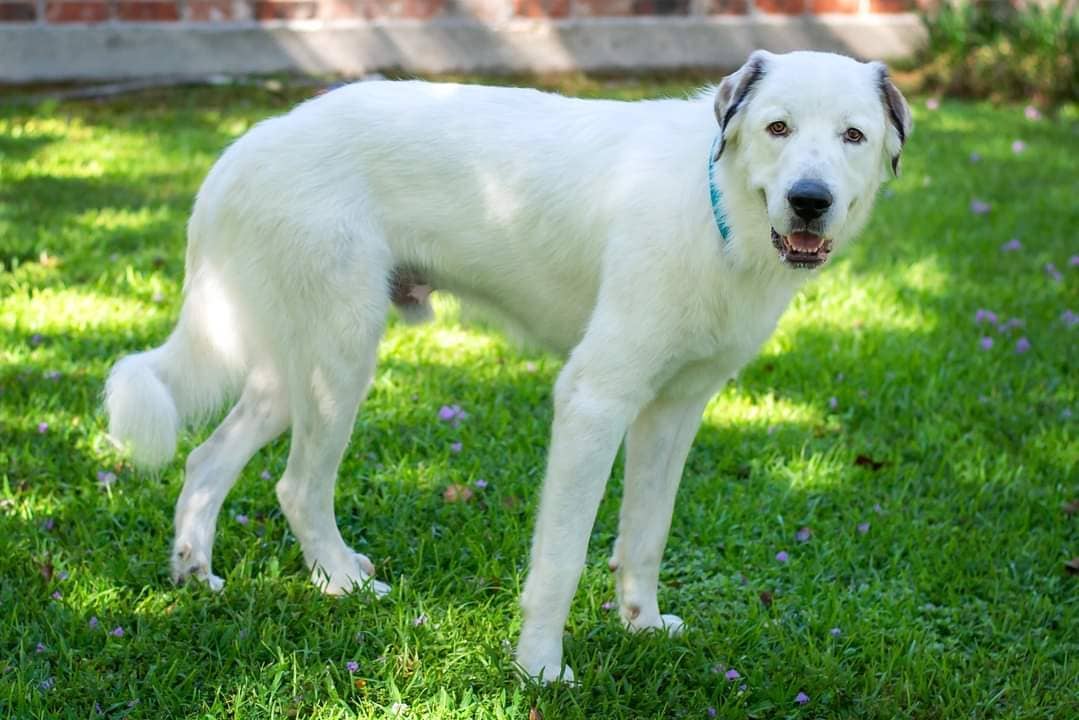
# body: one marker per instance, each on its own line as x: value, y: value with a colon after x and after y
x: 36, y: 53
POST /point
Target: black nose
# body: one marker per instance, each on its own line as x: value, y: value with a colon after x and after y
x: 809, y: 198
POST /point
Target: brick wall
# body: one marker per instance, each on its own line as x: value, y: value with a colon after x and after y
x: 224, y: 11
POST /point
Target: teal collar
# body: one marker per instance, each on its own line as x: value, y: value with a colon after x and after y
x: 717, y: 209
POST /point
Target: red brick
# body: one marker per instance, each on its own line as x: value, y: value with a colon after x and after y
x: 410, y: 9
x: 340, y: 9
x: 147, y: 10
x: 891, y: 6
x: 209, y: 10
x: 77, y: 11
x: 541, y: 8
x: 286, y: 10
x: 781, y: 7
x: 836, y: 6
x: 728, y: 7
x: 17, y: 11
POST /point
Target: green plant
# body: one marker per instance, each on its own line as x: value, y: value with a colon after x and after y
x: 1003, y: 52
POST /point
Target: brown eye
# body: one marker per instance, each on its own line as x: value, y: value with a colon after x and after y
x: 779, y: 129
x: 853, y: 135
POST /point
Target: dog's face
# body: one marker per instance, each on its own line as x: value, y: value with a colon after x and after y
x: 813, y: 135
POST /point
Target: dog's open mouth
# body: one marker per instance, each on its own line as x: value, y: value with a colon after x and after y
x: 802, y: 249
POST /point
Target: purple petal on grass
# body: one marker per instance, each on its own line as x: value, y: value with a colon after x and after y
x: 62, y: 575
x: 975, y: 157
x: 803, y: 535
x: 265, y: 475
x: 1032, y: 113
x: 56, y: 595
x: 835, y: 632
x: 1073, y: 261
x: 241, y: 518
x: 1018, y: 146
x: 48, y: 525
x: 609, y: 605
x: 352, y: 666
x: 480, y: 484
x: 711, y: 712
x: 43, y: 427
x: 420, y: 620
x: 93, y: 623
x: 47, y: 683
x: 105, y: 478
x: 1050, y: 270
x: 456, y: 447
x: 52, y: 375
x: 40, y: 648
x: 1066, y: 414
x: 117, y: 631
x: 801, y: 698
x: 446, y: 413
x: 1011, y: 323
x: 36, y: 339
x: 782, y: 556
x: 833, y: 402
x: 1012, y: 245
x: 986, y: 343
x: 1022, y: 345
x: 980, y: 207
x: 1069, y: 318
x: 863, y: 528
x: 742, y: 688
x: 732, y: 674
x: 985, y: 316
x: 932, y: 103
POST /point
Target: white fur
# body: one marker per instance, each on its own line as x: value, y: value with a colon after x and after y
x: 585, y: 224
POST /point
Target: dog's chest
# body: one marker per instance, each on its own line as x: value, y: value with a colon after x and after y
x: 727, y: 337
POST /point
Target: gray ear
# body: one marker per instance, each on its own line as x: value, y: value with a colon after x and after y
x: 734, y: 91
x: 896, y: 112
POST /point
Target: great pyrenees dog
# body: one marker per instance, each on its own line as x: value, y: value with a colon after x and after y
x: 654, y: 243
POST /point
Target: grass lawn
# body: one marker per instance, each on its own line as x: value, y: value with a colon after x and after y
x: 917, y: 479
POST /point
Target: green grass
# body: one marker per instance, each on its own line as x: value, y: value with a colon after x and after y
x: 955, y: 603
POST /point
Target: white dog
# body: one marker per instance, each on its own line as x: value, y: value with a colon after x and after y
x: 657, y: 243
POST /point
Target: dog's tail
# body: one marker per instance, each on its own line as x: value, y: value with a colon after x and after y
x: 150, y: 396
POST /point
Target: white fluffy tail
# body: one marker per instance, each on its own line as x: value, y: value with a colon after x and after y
x: 150, y: 396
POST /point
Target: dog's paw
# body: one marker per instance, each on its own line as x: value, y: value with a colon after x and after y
x: 189, y: 563
x: 351, y: 576
x: 670, y: 624
x: 547, y: 674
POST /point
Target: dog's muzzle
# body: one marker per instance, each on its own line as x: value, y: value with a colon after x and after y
x: 802, y: 249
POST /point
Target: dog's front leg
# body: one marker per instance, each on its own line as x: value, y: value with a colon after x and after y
x: 656, y: 448
x: 591, y: 417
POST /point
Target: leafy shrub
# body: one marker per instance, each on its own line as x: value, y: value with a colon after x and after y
x: 997, y: 50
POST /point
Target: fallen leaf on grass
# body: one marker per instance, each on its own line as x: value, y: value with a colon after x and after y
x: 457, y: 493
x: 766, y: 598
x: 1071, y: 508
x: 534, y: 713
x: 868, y: 462
x: 1072, y: 566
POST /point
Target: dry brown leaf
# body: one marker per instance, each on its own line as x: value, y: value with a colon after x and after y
x: 457, y: 493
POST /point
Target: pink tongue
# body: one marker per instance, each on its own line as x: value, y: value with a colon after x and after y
x: 805, y: 241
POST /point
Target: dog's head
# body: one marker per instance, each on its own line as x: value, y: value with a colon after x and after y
x: 811, y: 136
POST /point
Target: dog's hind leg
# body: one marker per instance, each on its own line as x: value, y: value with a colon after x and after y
x: 212, y: 468
x: 656, y: 448
x: 330, y: 371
